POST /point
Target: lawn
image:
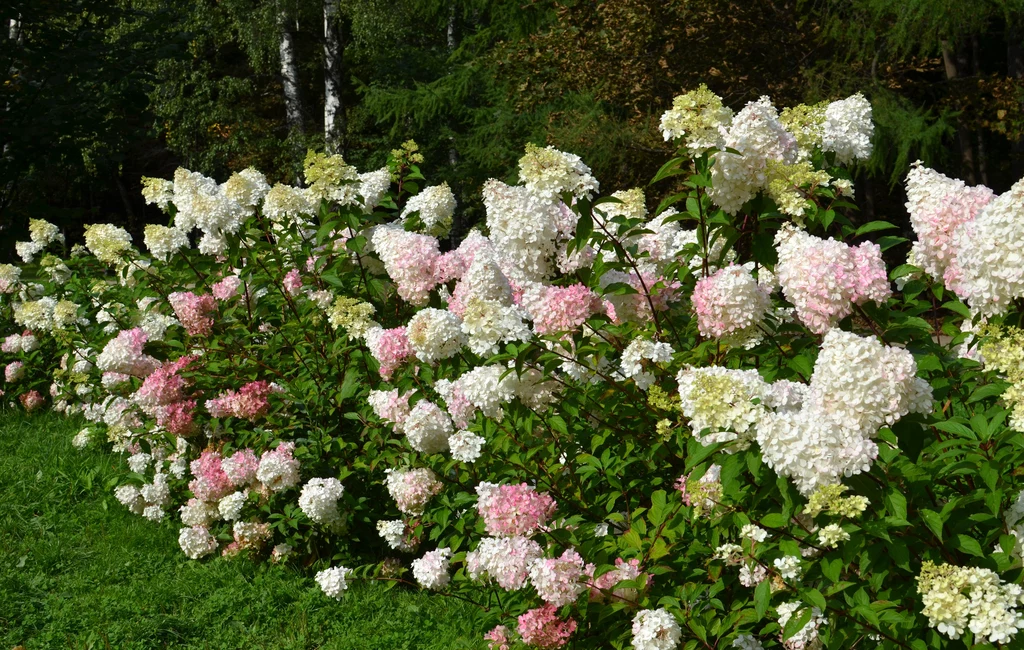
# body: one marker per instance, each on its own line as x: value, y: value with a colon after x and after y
x: 78, y: 571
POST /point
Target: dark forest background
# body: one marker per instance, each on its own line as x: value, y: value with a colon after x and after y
x: 99, y: 93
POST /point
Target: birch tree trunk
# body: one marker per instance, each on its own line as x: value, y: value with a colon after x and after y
x: 289, y: 71
x: 334, y: 111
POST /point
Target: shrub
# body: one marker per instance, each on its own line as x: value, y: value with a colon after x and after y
x: 717, y: 425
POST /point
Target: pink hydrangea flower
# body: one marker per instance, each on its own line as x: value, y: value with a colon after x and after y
x: 512, y: 510
x: 249, y: 402
x: 824, y: 278
x: 11, y: 344
x: 292, y: 282
x: 410, y: 259
x: 211, y: 483
x: 729, y: 301
x: 603, y: 587
x: 194, y: 312
x: 32, y: 400
x: 241, y: 467
x: 498, y: 638
x: 164, y: 386
x: 559, y: 581
x: 636, y: 307
x: 391, y: 407
x: 123, y: 354
x: 226, y: 288
x: 14, y: 371
x: 542, y: 628
x: 557, y: 310
x: 178, y: 417
x: 389, y: 347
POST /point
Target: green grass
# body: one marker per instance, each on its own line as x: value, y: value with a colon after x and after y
x: 78, y: 571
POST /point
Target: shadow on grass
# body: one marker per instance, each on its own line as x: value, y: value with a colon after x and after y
x: 79, y: 571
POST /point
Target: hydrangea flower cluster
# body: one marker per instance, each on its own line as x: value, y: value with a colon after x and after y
x: 412, y: 489
x: 332, y: 581
x: 549, y: 172
x: 699, y: 117
x: 639, y: 350
x: 730, y: 303
x: 655, y: 629
x: 542, y: 628
x: 249, y: 402
x: 988, y: 273
x: 431, y: 570
x: 278, y: 469
x: 513, y: 510
x: 194, y: 312
x: 435, y: 206
x: 559, y: 581
x: 938, y: 205
x: 319, y: 500
x: 858, y: 386
x: 506, y: 560
x: 956, y: 598
x: 825, y: 278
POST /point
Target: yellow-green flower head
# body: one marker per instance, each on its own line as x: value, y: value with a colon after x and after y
x: 330, y: 177
x: 354, y: 315
x: 699, y: 118
x: 107, y: 242
x: 830, y: 499
x: 43, y: 232
x: 806, y: 122
x: 789, y: 185
x: 157, y: 191
x: 65, y: 314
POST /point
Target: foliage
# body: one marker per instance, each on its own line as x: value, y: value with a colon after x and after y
x: 665, y: 437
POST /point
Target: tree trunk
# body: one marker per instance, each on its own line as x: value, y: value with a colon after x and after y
x: 334, y: 110
x: 289, y: 72
x: 1015, y: 70
x: 953, y: 65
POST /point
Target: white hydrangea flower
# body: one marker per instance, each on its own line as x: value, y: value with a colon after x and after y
x: 393, y: 532
x: 760, y: 137
x: 831, y: 535
x: 722, y: 400
x: 435, y: 206
x: 427, y: 427
x: 435, y: 334
x: 431, y: 570
x: 332, y: 581
x: 807, y: 636
x: 196, y: 542
x: 848, y: 128
x: 230, y: 507
x: 164, y: 241
x: 655, y: 629
x: 788, y: 567
x: 754, y: 533
x: 640, y: 349
x: 466, y: 446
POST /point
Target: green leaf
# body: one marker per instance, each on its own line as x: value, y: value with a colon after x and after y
x: 796, y: 623
x: 873, y: 226
x: 658, y: 511
x: 969, y: 545
x: 762, y: 598
x: 815, y: 598
x: 896, y: 504
x: 933, y: 520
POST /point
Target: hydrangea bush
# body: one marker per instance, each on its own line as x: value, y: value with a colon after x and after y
x: 723, y: 422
